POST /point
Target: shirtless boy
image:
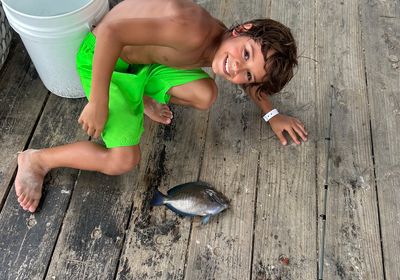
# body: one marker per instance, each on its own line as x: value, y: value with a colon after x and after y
x: 146, y: 53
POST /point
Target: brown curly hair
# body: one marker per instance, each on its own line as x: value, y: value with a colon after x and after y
x: 275, y: 36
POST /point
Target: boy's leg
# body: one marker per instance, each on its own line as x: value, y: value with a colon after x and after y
x: 34, y: 164
x: 199, y: 94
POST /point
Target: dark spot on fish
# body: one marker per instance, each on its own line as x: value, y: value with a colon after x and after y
x: 165, y: 58
x: 224, y: 158
x: 275, y: 237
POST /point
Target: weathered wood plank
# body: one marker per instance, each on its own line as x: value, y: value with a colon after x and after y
x: 223, y: 248
x: 22, y: 95
x: 93, y: 230
x: 285, y: 231
x: 27, y: 240
x: 90, y: 242
x: 352, y: 248
x: 157, y: 239
x: 90, y: 247
x: 381, y: 40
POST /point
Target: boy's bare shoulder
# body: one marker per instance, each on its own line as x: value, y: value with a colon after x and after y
x: 176, y: 16
x: 198, y: 23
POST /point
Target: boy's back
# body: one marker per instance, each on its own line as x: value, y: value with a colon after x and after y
x: 181, y: 32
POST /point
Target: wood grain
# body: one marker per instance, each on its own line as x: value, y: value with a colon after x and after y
x: 22, y: 96
x: 223, y: 248
x: 285, y: 231
x: 352, y: 249
x: 27, y: 240
x: 157, y: 238
x: 381, y: 40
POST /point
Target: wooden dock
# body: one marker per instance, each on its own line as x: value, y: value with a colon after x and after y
x: 93, y: 226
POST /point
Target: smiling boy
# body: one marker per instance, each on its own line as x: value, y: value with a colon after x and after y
x: 144, y: 54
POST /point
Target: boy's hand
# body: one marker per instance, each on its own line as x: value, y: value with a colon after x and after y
x: 293, y: 126
x: 93, y: 118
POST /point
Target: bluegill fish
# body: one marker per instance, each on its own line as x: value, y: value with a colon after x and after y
x: 193, y: 199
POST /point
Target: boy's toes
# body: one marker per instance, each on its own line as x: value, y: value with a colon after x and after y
x: 33, y: 206
x: 29, y: 203
x: 165, y: 120
x: 25, y: 201
x: 167, y: 114
x: 21, y: 198
x: 25, y: 204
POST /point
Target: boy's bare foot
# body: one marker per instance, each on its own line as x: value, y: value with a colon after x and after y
x: 156, y: 111
x: 29, y: 180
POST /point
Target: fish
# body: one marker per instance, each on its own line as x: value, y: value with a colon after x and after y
x: 192, y: 199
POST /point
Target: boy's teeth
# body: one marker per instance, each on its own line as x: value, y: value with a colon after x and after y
x: 226, y: 66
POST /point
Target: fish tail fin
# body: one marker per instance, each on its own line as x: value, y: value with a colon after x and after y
x: 158, y: 199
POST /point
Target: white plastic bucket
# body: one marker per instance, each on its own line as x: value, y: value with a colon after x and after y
x: 52, y: 31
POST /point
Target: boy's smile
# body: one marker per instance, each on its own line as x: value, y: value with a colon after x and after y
x: 239, y: 60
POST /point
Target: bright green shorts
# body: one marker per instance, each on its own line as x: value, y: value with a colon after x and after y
x: 129, y: 83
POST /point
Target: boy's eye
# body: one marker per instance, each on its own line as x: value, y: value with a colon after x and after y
x: 246, y: 55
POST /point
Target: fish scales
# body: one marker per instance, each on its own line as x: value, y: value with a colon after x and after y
x: 193, y: 199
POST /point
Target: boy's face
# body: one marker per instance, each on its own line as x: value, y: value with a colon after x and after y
x: 239, y: 60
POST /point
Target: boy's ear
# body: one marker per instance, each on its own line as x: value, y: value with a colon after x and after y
x: 241, y: 28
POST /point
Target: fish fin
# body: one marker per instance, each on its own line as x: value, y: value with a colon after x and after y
x: 170, y: 207
x: 205, y: 220
x: 178, y: 188
x: 158, y: 198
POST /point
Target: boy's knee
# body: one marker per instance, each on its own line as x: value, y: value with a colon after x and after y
x: 121, y: 162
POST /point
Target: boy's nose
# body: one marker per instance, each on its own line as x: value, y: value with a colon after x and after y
x: 237, y: 67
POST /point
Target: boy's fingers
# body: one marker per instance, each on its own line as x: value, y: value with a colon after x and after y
x: 97, y: 133
x: 84, y: 127
x: 90, y: 131
x: 293, y: 135
x: 301, y: 125
x: 300, y: 132
x: 281, y: 138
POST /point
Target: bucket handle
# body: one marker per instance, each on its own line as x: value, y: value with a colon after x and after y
x: 92, y: 24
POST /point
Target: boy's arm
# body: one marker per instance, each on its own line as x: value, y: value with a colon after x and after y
x: 279, y: 123
x: 95, y: 113
x: 111, y: 37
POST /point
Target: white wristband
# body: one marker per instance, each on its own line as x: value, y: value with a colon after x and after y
x: 270, y: 115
